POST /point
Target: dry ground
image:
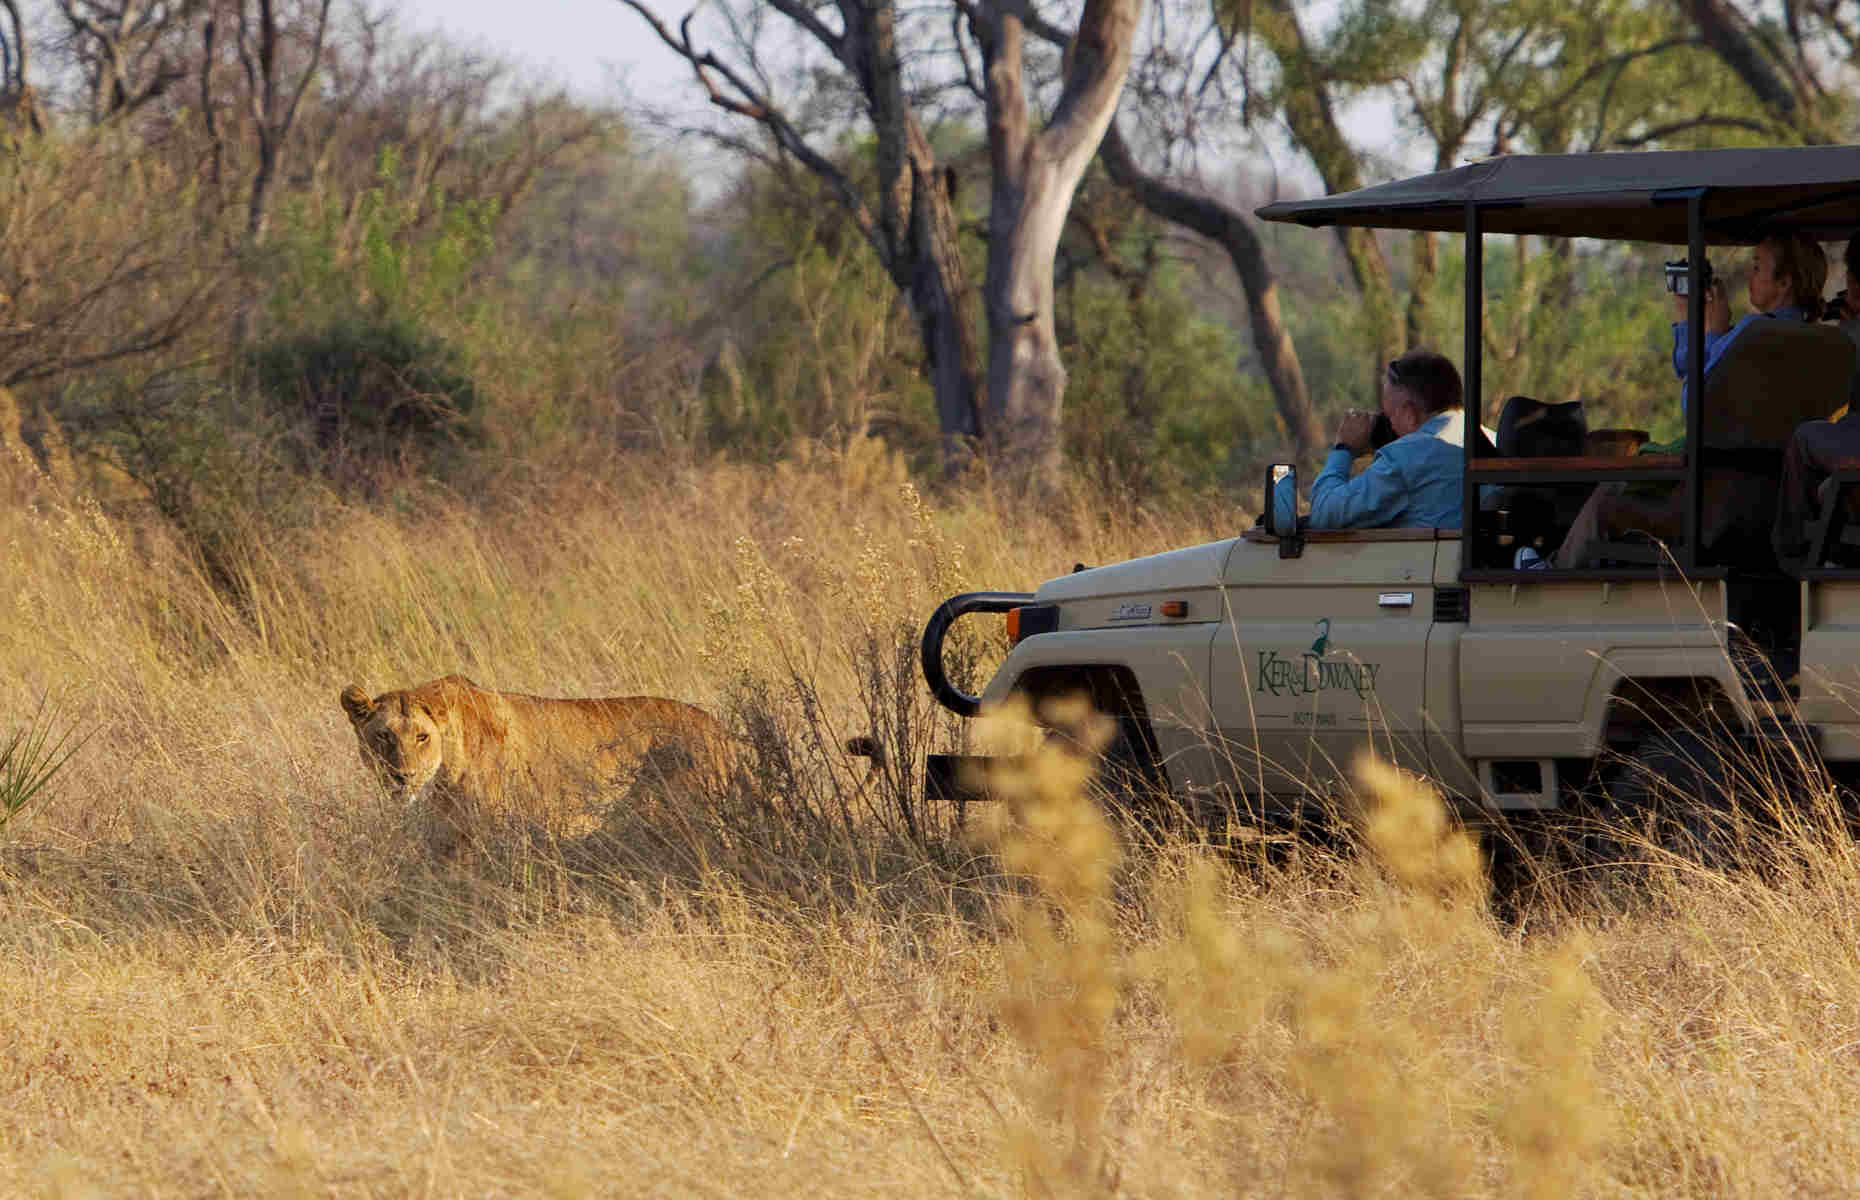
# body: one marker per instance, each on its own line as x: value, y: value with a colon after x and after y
x: 222, y: 972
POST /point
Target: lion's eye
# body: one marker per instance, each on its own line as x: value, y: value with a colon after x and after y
x: 422, y: 736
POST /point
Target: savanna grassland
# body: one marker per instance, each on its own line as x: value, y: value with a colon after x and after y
x: 488, y: 384
x: 227, y: 968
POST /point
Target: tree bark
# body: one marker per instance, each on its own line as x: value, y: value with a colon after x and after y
x: 917, y: 220
x: 15, y: 88
x: 1035, y: 177
x: 1226, y: 226
x: 274, y: 108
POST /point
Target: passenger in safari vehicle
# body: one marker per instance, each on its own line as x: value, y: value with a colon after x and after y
x: 1414, y: 481
x: 1787, y: 274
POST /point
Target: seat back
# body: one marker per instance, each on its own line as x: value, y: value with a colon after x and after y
x: 1530, y: 428
x: 1776, y: 375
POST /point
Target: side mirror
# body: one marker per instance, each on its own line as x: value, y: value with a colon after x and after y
x: 1279, y: 513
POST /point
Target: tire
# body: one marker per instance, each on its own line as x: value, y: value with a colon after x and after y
x: 1676, y: 795
x: 1128, y: 779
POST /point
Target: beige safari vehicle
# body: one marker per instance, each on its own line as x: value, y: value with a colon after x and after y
x: 1257, y: 668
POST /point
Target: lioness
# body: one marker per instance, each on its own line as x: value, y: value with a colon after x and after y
x: 483, y: 756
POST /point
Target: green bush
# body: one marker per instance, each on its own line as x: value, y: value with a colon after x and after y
x: 1153, y: 400
x: 371, y: 395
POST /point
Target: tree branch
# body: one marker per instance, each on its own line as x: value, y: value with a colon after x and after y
x: 757, y: 107
x: 1704, y: 122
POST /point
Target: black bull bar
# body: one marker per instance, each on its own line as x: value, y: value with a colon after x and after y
x: 947, y: 614
x: 956, y: 777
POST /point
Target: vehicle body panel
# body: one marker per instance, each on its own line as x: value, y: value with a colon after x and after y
x: 1314, y: 664
x: 1830, y: 676
x: 1540, y: 661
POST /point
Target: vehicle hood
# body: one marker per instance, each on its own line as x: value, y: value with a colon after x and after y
x: 1192, y: 567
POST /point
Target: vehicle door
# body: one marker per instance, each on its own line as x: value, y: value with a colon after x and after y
x: 1322, y: 656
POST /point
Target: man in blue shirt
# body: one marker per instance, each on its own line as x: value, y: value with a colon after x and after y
x: 1415, y: 481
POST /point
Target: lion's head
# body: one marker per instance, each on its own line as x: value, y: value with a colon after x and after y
x: 400, y: 737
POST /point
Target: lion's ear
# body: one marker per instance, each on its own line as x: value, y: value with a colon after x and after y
x: 356, y: 703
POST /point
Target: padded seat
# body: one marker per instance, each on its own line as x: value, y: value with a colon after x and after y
x: 1834, y: 535
x: 1519, y: 515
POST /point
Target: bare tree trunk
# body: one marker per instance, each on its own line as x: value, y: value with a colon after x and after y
x: 1223, y: 224
x: 1420, y: 287
x: 1035, y: 177
x: 917, y: 219
x: 911, y: 227
x: 274, y: 109
x: 15, y: 88
x: 939, y: 289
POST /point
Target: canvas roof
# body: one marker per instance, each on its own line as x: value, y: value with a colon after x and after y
x: 1631, y: 196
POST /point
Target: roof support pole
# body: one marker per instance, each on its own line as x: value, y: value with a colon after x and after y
x: 1474, y: 398
x: 1695, y: 376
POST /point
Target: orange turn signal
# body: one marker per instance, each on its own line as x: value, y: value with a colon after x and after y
x: 1013, y: 626
x: 1175, y: 608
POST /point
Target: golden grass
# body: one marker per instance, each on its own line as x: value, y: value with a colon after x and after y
x: 223, y: 968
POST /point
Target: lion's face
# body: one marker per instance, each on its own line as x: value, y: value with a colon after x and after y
x: 399, y: 740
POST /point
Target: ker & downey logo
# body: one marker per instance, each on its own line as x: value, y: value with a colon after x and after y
x: 1314, y: 671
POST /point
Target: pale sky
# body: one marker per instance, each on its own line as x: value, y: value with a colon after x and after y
x: 602, y: 51
x: 584, y: 45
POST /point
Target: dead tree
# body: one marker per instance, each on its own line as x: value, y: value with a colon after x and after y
x: 15, y: 88
x: 908, y: 214
x: 128, y: 52
x: 258, y: 36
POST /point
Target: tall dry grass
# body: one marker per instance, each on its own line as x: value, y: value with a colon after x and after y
x: 226, y: 969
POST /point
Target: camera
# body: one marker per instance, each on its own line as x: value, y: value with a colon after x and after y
x: 1678, y: 276
x: 1382, y: 432
x: 1835, y: 307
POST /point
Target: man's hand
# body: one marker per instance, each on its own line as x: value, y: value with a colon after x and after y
x: 1353, y: 431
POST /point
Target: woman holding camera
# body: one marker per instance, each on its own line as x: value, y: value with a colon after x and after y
x: 1787, y: 273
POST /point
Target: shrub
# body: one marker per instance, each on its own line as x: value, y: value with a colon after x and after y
x: 371, y: 393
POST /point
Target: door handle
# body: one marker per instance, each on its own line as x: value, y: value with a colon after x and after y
x: 1396, y: 600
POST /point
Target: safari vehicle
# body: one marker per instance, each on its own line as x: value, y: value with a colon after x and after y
x: 1260, y: 666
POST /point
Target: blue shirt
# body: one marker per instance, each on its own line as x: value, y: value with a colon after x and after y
x: 1717, y: 343
x: 1415, y: 482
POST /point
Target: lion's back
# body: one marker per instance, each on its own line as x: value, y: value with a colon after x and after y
x: 612, y: 745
